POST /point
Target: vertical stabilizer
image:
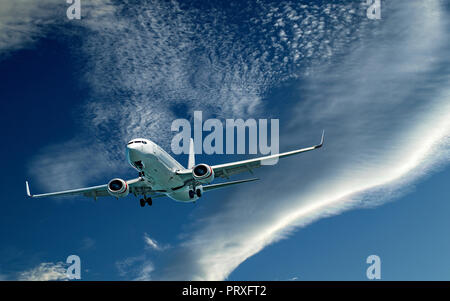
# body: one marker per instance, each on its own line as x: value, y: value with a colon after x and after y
x: 191, y: 161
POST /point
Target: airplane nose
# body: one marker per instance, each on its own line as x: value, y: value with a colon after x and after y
x: 132, y: 154
x: 134, y: 146
x: 139, y: 147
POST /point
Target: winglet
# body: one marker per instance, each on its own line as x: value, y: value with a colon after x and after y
x: 28, y: 189
x: 321, y: 139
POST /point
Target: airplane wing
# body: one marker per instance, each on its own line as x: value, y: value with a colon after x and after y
x: 228, y: 169
x: 137, y: 187
x: 221, y: 185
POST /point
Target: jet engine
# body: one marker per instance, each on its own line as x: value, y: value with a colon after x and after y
x: 203, y: 173
x: 118, y: 188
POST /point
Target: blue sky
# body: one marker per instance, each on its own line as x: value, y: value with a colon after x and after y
x: 74, y: 92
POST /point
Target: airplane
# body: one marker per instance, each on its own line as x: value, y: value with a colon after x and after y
x: 161, y: 175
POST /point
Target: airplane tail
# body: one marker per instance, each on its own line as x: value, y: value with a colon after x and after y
x: 191, y: 162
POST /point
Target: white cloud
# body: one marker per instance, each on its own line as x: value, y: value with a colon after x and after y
x: 384, y: 110
x: 46, y: 271
x: 145, y: 272
x: 124, y: 266
x: 153, y: 244
x: 22, y: 22
x: 137, y: 268
x: 159, y: 59
x: 385, y: 107
x: 70, y: 165
x: 140, y: 268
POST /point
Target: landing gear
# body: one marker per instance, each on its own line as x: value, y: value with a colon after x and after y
x: 145, y: 200
x: 193, y: 192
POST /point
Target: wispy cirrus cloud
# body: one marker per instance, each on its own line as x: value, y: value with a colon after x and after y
x: 385, y: 109
x: 137, y: 268
x: 153, y: 244
x: 159, y: 60
x: 22, y: 22
x: 141, y: 267
x: 123, y: 266
x: 145, y: 272
x: 46, y: 271
x: 377, y: 87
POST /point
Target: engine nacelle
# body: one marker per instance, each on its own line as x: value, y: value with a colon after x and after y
x: 118, y: 188
x: 203, y: 173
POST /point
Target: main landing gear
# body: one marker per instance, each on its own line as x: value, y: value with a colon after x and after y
x: 197, y: 192
x: 145, y: 200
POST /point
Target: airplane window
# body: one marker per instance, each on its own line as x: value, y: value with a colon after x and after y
x: 144, y: 142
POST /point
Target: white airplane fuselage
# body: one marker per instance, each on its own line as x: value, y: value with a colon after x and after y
x: 158, y: 168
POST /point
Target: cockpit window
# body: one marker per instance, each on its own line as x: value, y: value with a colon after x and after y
x: 143, y: 142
